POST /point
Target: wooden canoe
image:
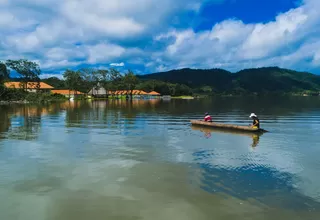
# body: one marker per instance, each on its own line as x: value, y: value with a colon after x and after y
x: 226, y: 126
x: 207, y: 129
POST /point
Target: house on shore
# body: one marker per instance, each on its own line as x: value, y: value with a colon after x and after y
x: 98, y: 92
x: 136, y: 94
x: 29, y: 86
x: 153, y: 95
x: 68, y: 93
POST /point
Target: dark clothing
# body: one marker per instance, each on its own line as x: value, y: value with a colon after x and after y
x: 256, y: 122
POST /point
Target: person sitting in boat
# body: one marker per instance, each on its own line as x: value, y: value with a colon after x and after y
x: 256, y: 122
x: 207, y: 117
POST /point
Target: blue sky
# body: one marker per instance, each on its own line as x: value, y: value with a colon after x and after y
x: 149, y: 35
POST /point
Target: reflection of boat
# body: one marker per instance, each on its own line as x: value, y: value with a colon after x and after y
x: 227, y: 126
x: 207, y: 130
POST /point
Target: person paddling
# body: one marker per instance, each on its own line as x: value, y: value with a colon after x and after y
x: 207, y: 117
x: 256, y: 122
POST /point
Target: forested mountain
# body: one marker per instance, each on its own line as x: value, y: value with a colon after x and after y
x: 255, y: 80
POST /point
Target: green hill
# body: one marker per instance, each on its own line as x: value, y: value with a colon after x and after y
x: 256, y: 80
x: 218, y: 78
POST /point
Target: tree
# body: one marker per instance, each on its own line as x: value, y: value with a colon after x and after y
x: 28, y: 70
x: 4, y: 72
x: 102, y: 78
x: 172, y: 88
x: 181, y: 89
x: 115, y: 80
x: 130, y: 80
x: 88, y: 76
x: 55, y: 82
x: 146, y: 86
x: 115, y: 75
x: 98, y: 78
x: 72, y: 79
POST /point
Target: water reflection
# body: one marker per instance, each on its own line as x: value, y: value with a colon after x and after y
x: 144, y: 155
x: 5, y: 122
x: 253, y: 181
x: 223, y: 109
x: 21, y: 122
x: 79, y: 113
x: 208, y: 133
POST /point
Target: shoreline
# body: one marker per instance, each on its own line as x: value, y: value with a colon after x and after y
x: 182, y: 97
x: 14, y: 102
x: 8, y: 102
x: 28, y: 102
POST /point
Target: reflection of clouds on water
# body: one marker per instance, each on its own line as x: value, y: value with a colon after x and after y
x: 178, y: 151
x: 269, y: 155
x: 39, y: 185
x: 256, y: 182
x: 17, y: 121
x: 111, y: 151
x: 97, y: 175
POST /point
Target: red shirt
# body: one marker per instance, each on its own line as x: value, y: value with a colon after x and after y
x: 208, y: 118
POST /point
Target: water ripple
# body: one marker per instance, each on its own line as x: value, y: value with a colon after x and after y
x: 137, y: 150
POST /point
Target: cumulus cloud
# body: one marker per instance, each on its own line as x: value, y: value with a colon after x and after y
x: 117, y: 64
x: 42, y: 29
x: 234, y: 45
x: 66, y: 34
x: 48, y: 75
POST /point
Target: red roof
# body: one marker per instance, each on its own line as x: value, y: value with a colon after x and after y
x: 30, y: 85
x: 153, y: 93
x: 126, y: 92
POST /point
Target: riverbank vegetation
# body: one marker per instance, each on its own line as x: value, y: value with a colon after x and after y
x: 27, y: 71
x: 85, y: 79
x: 183, y: 83
x: 82, y: 80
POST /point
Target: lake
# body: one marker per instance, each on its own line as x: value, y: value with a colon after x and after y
x: 143, y: 160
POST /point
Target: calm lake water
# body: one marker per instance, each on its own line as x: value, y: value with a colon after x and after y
x: 143, y: 160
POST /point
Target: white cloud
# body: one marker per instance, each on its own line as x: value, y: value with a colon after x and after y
x: 63, y: 34
x: 102, y: 52
x: 51, y: 29
x: 266, y: 38
x: 47, y: 75
x: 52, y: 65
x: 234, y: 45
x: 100, y: 16
x: 117, y: 64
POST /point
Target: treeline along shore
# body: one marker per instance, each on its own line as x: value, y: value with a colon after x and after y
x: 20, y: 80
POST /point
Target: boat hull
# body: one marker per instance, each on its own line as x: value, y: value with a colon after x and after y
x: 227, y: 126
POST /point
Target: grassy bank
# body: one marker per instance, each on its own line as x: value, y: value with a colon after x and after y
x: 122, y: 97
x: 182, y: 97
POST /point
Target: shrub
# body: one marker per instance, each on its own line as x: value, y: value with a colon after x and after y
x: 44, y: 97
x: 12, y: 94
